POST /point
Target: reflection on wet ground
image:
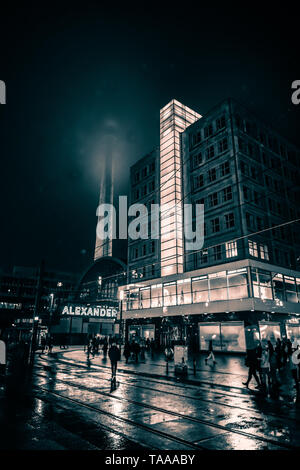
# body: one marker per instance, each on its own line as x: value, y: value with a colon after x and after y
x: 72, y: 406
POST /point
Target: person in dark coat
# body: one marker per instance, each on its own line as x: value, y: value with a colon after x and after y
x: 252, y: 363
x: 136, y: 350
x: 114, y: 356
x: 126, y: 352
x: 278, y: 350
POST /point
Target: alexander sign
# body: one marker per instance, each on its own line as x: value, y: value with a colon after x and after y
x: 102, y: 311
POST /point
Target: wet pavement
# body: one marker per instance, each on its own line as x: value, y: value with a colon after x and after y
x: 68, y: 402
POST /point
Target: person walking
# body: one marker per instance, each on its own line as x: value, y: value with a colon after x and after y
x: 252, y: 363
x: 265, y: 369
x: 126, y: 351
x: 136, y: 350
x: 278, y: 350
x: 114, y: 356
x: 211, y: 355
x: 105, y: 347
x: 43, y: 343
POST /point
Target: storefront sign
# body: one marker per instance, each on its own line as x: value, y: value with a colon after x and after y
x: 102, y: 311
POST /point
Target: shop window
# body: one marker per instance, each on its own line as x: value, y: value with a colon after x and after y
x: 278, y: 286
x: 218, y: 286
x: 269, y: 331
x: 290, y: 289
x: 237, y: 284
x: 156, y: 295
x: 262, y: 284
x: 292, y: 331
x: 184, y: 295
x: 200, y: 289
x: 210, y: 332
x: 145, y: 297
x: 233, y: 336
x: 170, y: 293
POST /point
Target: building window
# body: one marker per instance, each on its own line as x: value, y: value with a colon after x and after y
x: 221, y: 123
x: 210, y: 152
x: 198, y: 181
x: 203, y: 256
x: 212, y: 175
x: 227, y: 194
x: 259, y: 223
x: 152, y: 167
x: 208, y: 131
x: 197, y: 160
x: 225, y: 168
x: 217, y: 252
x: 137, y: 177
x: 262, y: 284
x: 246, y: 193
x: 231, y: 249
x: 229, y: 220
x: 223, y: 145
x: 215, y: 225
x: 253, y: 250
x: 196, y: 138
x: 152, y: 247
x: 144, y: 250
x: 249, y: 220
x: 264, y: 252
x: 213, y: 199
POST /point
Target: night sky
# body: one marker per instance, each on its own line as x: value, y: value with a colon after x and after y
x: 72, y: 71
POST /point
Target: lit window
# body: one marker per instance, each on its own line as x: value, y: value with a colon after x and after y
x: 264, y: 252
x: 253, y: 251
x: 231, y: 249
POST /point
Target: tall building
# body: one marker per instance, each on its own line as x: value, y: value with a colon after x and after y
x: 243, y: 284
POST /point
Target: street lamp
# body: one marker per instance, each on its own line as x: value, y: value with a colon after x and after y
x: 121, y: 298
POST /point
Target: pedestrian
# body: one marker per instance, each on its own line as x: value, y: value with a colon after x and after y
x: 126, y: 351
x: 105, y: 347
x: 152, y: 347
x: 43, y: 343
x: 259, y: 351
x: 50, y: 344
x: 211, y: 355
x: 136, y: 350
x: 114, y: 356
x: 252, y: 362
x: 294, y: 367
x: 278, y: 350
x: 265, y: 369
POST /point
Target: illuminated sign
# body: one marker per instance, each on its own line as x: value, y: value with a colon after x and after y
x: 101, y: 311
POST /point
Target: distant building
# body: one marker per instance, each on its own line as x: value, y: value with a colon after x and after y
x: 244, y: 283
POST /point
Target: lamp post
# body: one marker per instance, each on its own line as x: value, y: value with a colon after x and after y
x: 121, y: 297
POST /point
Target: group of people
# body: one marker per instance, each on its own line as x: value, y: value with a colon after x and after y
x: 95, y: 343
x: 137, y: 350
x: 266, y: 361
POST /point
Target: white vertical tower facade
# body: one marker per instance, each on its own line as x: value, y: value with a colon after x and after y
x: 174, y: 119
x: 103, y: 247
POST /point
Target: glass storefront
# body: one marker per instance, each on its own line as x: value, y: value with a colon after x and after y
x: 222, y: 285
x: 225, y: 336
x: 293, y: 331
x: 269, y: 331
x: 138, y: 332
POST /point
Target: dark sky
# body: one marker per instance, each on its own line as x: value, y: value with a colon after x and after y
x: 71, y: 71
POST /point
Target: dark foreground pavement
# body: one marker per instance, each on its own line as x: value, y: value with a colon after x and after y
x: 67, y: 402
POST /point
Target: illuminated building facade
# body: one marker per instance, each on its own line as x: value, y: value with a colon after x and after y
x: 244, y: 284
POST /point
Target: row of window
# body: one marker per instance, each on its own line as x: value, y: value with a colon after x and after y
x: 266, y: 139
x: 209, y: 153
x: 144, y: 172
x: 144, y: 190
x: 143, y: 250
x: 224, y: 285
x: 207, y: 131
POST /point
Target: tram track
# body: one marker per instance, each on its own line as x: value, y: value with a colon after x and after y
x: 203, y: 389
x: 168, y: 412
